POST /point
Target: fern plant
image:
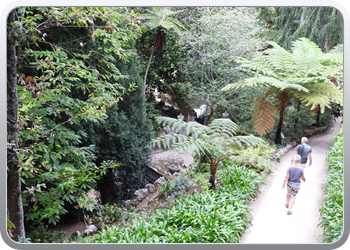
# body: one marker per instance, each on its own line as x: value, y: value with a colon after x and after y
x: 306, y: 74
x: 216, y: 142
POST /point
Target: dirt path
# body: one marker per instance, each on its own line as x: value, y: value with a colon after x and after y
x: 270, y: 223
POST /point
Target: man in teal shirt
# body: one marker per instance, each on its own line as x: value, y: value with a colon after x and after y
x: 304, y: 151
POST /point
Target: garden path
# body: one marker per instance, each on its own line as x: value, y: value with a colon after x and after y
x: 270, y: 222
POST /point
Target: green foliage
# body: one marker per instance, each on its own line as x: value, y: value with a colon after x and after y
x: 110, y: 215
x: 160, y: 16
x: 123, y: 138
x: 180, y: 186
x: 219, y: 216
x: 305, y: 74
x: 296, y: 121
x: 217, y: 142
x: 217, y: 37
x: 257, y: 159
x: 67, y: 77
x: 42, y: 234
x: 322, y: 25
x: 332, y: 208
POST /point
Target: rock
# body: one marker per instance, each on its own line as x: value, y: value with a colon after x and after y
x: 134, y: 202
x: 141, y: 194
x: 90, y: 230
x: 150, y: 188
x: 172, y: 168
x: 160, y: 180
x: 127, y: 203
x: 169, y: 177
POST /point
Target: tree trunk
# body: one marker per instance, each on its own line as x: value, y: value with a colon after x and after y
x: 148, y: 65
x: 282, y: 99
x: 318, y: 116
x: 213, y: 169
x: 279, y: 125
x: 14, y: 201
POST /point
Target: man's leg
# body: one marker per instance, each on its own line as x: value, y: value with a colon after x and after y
x: 287, y: 200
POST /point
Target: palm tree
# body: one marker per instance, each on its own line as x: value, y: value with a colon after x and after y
x: 216, y: 142
x: 159, y: 19
x: 306, y: 74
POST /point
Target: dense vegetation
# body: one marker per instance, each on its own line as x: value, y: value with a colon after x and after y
x: 332, y: 208
x: 88, y: 88
x: 219, y: 216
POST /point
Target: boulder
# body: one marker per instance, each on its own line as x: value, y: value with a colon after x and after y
x: 90, y: 230
x: 141, y: 194
x: 150, y: 188
x: 127, y: 203
x: 172, y: 168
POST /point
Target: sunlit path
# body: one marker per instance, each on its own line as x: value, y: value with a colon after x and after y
x: 271, y: 224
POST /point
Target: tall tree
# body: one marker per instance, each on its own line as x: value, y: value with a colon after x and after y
x: 14, y: 200
x: 68, y: 75
x: 159, y: 18
x: 306, y: 74
x: 322, y: 25
x: 123, y: 138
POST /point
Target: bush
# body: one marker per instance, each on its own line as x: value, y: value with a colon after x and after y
x: 332, y: 207
x: 41, y: 234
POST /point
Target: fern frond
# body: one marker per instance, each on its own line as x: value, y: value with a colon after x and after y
x: 264, y: 116
x: 321, y: 94
x: 248, y: 82
x: 246, y: 140
x: 223, y: 126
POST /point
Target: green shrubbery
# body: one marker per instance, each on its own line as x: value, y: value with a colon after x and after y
x: 332, y: 208
x: 211, y: 216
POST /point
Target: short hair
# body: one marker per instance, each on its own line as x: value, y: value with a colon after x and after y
x: 296, y: 158
x: 304, y: 139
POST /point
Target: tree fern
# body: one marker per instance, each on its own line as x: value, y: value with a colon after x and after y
x: 217, y: 141
x: 306, y: 73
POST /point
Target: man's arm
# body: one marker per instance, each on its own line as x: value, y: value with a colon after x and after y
x: 310, y: 159
x: 285, y: 180
x: 303, y: 178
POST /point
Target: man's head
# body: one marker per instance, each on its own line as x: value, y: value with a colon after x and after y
x: 304, y: 140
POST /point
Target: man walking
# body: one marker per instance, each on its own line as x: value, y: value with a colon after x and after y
x: 304, y: 151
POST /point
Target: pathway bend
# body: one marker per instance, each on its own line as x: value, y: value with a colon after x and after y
x: 270, y: 223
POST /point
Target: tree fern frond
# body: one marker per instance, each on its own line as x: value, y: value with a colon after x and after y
x: 263, y: 116
x: 248, y: 141
x: 321, y: 94
x: 248, y: 82
x: 221, y: 126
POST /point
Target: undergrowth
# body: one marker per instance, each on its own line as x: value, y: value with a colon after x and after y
x: 209, y: 216
x: 332, y: 207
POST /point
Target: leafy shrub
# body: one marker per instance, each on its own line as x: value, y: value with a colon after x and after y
x: 41, y: 234
x: 332, y: 207
x: 113, y: 215
x: 180, y: 186
x: 258, y: 158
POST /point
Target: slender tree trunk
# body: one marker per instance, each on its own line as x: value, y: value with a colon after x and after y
x: 279, y: 125
x: 14, y: 201
x: 213, y: 169
x: 282, y: 99
x: 148, y: 65
x: 318, y: 123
